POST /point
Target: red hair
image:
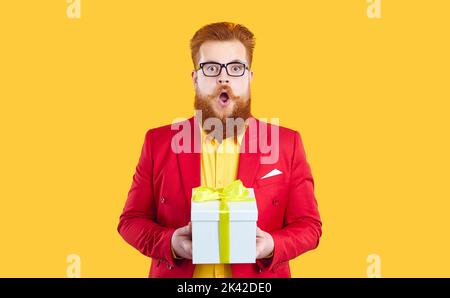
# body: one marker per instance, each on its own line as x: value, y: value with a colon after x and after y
x: 223, y: 31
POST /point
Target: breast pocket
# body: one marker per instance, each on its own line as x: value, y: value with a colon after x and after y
x: 277, y: 179
x: 271, y: 200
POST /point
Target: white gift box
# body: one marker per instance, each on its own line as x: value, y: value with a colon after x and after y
x: 205, y: 231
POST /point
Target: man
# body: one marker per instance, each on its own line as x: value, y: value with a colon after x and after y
x: 156, y: 216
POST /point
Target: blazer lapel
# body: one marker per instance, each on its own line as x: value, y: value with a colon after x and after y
x: 249, y: 158
x: 189, y: 163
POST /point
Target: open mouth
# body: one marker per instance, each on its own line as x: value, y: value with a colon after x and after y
x: 224, y: 98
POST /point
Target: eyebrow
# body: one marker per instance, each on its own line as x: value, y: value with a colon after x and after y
x: 235, y: 60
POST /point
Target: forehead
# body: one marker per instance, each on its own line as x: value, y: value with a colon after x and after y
x: 222, y: 51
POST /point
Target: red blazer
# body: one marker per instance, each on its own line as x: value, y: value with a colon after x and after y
x: 159, y: 200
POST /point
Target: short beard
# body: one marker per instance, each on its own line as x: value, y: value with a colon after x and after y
x: 240, y: 110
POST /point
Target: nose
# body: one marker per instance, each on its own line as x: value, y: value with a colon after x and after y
x: 223, y: 81
x: 223, y: 78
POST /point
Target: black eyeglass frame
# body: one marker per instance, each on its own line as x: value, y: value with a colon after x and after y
x: 222, y: 66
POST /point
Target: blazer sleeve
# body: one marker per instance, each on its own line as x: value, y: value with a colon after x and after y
x: 303, y: 227
x: 137, y: 223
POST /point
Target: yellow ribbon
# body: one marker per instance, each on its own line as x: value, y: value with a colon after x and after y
x: 233, y: 192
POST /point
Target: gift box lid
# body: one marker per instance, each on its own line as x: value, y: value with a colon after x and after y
x: 239, y: 211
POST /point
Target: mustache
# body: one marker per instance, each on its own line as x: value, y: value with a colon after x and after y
x: 219, y: 89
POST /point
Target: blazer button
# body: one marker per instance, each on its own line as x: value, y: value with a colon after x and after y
x: 163, y: 200
x: 170, y: 267
x: 275, y: 202
x: 259, y: 270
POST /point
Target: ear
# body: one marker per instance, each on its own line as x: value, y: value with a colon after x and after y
x: 194, y: 78
x: 251, y: 75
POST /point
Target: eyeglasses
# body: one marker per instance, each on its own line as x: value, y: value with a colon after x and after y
x: 213, y: 69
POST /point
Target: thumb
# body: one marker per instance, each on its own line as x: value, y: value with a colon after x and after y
x: 186, y: 230
x: 259, y: 232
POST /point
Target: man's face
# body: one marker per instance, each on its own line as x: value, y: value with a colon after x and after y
x: 223, y: 96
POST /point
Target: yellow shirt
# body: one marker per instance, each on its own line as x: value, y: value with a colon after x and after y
x: 219, y: 165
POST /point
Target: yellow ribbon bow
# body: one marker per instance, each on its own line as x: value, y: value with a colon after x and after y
x: 233, y: 192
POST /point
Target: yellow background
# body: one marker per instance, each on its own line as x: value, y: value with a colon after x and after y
x: 369, y: 96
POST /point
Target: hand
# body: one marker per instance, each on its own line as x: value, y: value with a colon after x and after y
x: 264, y: 244
x: 182, y: 241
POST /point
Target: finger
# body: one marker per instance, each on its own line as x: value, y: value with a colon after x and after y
x: 190, y: 228
x: 259, y: 232
x: 189, y: 251
x: 184, y: 230
x: 258, y: 251
x: 187, y: 246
